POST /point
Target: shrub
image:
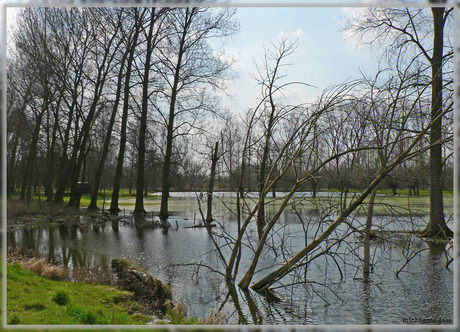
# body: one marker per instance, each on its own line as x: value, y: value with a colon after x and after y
x: 36, y: 265
x: 215, y: 318
x: 61, y: 297
x: 55, y: 272
x: 92, y: 275
x: 41, y: 267
x: 89, y: 318
x: 14, y: 320
x: 178, y: 315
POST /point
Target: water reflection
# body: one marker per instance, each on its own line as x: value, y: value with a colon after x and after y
x: 425, y: 287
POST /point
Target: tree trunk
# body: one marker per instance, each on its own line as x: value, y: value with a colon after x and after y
x: 105, y: 148
x: 211, y: 182
x: 436, y: 226
x: 124, y: 122
x: 367, y: 236
x: 26, y: 179
x: 139, y: 207
x: 101, y: 78
x: 63, y: 174
x: 169, y: 136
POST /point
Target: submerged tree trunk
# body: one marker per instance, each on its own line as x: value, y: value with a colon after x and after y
x: 367, y: 236
x: 211, y: 182
x: 290, y: 265
x: 437, y: 225
x: 170, y: 127
x: 139, y: 207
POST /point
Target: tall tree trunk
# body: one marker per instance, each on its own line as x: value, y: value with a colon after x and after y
x: 124, y: 121
x: 63, y: 174
x: 165, y: 186
x: 139, y: 207
x: 51, y: 155
x: 263, y: 169
x: 12, y: 162
x: 105, y: 148
x: 101, y: 78
x: 437, y: 225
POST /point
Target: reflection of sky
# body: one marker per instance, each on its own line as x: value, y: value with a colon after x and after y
x: 423, y: 289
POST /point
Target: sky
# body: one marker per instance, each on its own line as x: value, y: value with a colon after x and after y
x: 323, y: 56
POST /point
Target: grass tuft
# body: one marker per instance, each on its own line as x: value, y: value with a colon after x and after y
x: 35, y: 306
x: 14, y: 320
x: 61, y: 297
x: 41, y: 267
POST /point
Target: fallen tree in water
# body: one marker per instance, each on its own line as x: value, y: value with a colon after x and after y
x: 147, y: 290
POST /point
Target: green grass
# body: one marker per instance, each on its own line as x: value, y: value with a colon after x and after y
x: 32, y: 299
x: 401, y: 204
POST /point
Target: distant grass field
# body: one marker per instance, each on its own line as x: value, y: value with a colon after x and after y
x: 385, y: 203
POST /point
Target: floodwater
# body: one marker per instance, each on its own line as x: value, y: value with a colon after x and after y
x: 328, y: 291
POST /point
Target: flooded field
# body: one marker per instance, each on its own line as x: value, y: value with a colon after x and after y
x: 327, y: 291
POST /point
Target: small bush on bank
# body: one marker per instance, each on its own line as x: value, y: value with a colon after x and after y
x: 41, y: 267
x: 14, y: 320
x: 61, y: 297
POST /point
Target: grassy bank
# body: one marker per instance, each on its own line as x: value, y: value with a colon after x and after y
x: 39, y: 296
x: 32, y: 299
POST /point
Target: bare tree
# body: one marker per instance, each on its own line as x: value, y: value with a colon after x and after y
x: 407, y: 29
x: 131, y: 47
x: 188, y: 66
x: 153, y: 35
x: 126, y: 39
x: 391, y: 159
x: 269, y: 77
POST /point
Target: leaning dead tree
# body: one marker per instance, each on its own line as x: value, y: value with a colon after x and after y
x: 385, y: 107
x: 409, y: 152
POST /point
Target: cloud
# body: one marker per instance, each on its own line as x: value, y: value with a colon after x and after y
x: 297, y: 34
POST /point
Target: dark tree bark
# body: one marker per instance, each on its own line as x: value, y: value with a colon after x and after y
x: 124, y: 118
x: 186, y: 66
x: 152, y: 39
x: 172, y: 114
x: 437, y: 225
x: 26, y: 188
x: 212, y: 177
x: 108, y: 138
x: 108, y: 54
x: 406, y: 25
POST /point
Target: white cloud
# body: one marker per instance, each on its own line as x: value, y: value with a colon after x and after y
x: 297, y: 34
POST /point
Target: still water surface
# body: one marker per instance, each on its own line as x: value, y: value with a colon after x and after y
x: 423, y: 290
